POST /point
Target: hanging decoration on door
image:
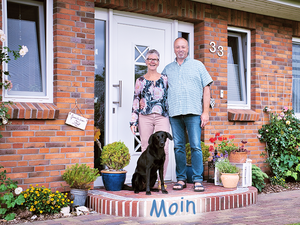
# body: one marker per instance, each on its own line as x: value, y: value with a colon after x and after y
x: 76, y: 120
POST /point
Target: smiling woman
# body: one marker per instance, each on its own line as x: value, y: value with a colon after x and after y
x: 149, y: 108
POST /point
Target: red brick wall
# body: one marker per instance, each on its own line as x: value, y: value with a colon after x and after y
x: 38, y: 150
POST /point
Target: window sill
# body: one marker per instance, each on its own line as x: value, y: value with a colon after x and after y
x: 25, y: 110
x: 242, y: 115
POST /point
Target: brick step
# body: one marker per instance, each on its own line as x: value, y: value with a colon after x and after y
x: 127, y: 204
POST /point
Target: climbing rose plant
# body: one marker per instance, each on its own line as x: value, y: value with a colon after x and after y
x: 7, y: 84
x: 282, y: 137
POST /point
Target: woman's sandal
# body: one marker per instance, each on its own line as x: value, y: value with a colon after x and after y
x: 198, y: 188
x: 181, y: 186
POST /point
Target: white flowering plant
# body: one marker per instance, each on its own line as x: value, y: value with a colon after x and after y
x: 4, y: 83
x: 10, y: 196
x: 282, y: 137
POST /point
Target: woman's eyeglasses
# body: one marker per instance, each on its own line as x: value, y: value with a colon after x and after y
x: 154, y: 60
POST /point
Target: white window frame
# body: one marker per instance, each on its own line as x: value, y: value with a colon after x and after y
x: 48, y: 97
x: 296, y: 40
x: 247, y: 64
x: 187, y: 28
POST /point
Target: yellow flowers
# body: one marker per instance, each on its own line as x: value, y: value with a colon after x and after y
x: 41, y: 199
x: 288, y: 122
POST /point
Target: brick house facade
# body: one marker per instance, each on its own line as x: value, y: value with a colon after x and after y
x: 37, y: 146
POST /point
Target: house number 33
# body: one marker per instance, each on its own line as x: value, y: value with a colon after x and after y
x: 215, y: 48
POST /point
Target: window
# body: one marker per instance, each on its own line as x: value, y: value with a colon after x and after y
x: 186, y: 30
x: 238, y: 68
x: 296, y: 76
x: 25, y: 23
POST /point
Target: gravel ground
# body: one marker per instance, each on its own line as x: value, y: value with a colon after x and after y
x: 290, y: 186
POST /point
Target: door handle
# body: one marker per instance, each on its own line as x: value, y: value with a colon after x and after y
x: 120, y: 93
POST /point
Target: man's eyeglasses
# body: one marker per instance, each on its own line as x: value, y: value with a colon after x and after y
x: 154, y: 60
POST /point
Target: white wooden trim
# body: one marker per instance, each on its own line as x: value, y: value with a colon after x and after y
x: 48, y: 98
x: 248, y: 78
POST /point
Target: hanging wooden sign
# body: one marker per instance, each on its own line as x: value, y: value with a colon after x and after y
x: 76, y: 120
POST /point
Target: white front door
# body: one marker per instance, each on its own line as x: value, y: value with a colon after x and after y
x: 132, y: 37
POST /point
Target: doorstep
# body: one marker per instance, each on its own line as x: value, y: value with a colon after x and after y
x: 128, y: 204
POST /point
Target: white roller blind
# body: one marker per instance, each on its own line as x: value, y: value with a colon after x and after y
x: 296, y: 77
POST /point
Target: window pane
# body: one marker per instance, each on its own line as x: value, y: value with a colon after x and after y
x: 99, y: 91
x: 296, y: 78
x: 23, y: 29
x: 140, y: 71
x: 140, y: 53
x: 233, y: 71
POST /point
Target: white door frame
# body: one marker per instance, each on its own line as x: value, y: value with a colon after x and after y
x: 110, y: 118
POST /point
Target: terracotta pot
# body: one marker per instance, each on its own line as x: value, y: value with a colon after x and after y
x: 237, y: 157
x: 230, y: 180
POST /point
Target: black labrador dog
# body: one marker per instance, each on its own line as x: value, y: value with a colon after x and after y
x: 149, y: 162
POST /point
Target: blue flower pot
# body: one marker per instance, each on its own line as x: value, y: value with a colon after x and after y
x: 113, y: 180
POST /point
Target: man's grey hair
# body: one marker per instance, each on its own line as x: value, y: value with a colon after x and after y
x: 152, y: 51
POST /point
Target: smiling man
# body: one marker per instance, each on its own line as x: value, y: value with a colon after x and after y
x: 188, y: 100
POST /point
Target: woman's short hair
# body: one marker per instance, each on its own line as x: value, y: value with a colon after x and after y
x: 152, y: 51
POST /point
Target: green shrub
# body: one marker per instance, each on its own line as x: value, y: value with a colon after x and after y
x: 282, y: 137
x: 278, y: 181
x: 40, y: 200
x: 258, y: 177
x: 10, y: 196
x: 115, y: 156
x: 205, y: 152
x: 224, y: 166
x: 80, y: 176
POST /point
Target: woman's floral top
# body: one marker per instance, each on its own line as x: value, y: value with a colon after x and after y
x: 154, y: 96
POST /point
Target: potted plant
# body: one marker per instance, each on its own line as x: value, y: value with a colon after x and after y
x: 79, y: 178
x: 229, y: 173
x: 115, y: 157
x: 205, y: 156
x: 227, y: 147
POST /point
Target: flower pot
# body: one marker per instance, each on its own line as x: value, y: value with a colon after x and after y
x: 237, y: 157
x: 79, y: 196
x: 230, y: 180
x: 113, y: 180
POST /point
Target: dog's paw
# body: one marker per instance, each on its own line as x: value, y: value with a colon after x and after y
x: 148, y: 192
x: 164, y: 192
x: 136, y: 192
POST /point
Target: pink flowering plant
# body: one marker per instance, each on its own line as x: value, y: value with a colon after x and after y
x: 282, y: 138
x: 4, y: 82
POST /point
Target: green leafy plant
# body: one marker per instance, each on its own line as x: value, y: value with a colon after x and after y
x: 258, y: 178
x: 224, y: 166
x: 278, y: 181
x: 282, y: 137
x: 80, y: 176
x: 205, y: 152
x: 40, y: 200
x: 9, y: 196
x: 115, y: 156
